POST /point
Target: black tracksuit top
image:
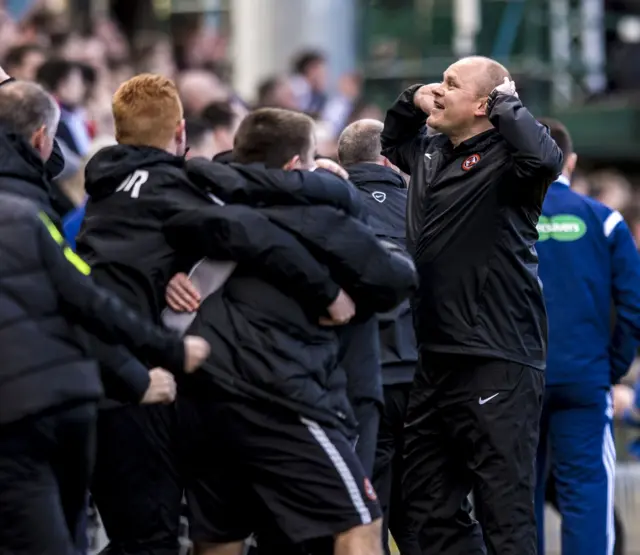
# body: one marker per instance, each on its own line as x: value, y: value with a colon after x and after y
x: 471, y: 226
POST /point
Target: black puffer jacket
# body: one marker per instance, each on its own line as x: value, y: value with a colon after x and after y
x: 264, y: 343
x: 46, y: 302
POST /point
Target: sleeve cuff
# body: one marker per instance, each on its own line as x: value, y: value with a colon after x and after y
x: 133, y: 384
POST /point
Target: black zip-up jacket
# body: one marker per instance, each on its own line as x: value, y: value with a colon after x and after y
x: 265, y: 344
x: 359, y: 350
x: 471, y: 225
x: 384, y: 194
x: 134, y: 191
x: 47, y: 304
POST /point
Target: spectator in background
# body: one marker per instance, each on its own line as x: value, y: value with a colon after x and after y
x: 200, y: 139
x: 83, y: 49
x: 223, y: 122
x: 74, y: 190
x: 198, y: 89
x: 309, y: 81
x: 632, y: 217
x: 276, y: 92
x: 612, y: 189
x: 365, y: 110
x: 120, y: 70
x: 23, y: 61
x: 66, y: 82
x: 339, y: 108
x: 154, y: 54
x: 326, y: 141
x: 580, y: 184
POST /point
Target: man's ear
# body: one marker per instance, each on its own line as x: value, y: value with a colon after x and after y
x: 388, y: 164
x: 181, y: 133
x: 38, y: 138
x: 570, y: 163
x: 481, y: 108
x: 293, y: 164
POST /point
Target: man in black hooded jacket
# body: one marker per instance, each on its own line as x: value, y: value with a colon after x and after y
x: 384, y: 194
x: 283, y: 399
x: 49, y: 387
x: 135, y: 188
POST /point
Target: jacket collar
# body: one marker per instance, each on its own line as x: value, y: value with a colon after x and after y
x: 473, y: 143
x: 368, y: 173
x: 563, y: 180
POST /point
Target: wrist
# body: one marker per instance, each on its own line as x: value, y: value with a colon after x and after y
x: 332, y: 291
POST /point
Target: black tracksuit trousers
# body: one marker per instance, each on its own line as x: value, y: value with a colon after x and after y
x: 137, y: 486
x: 387, y: 471
x: 45, y: 468
x: 471, y: 425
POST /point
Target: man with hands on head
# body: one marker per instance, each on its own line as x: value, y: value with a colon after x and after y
x: 476, y: 193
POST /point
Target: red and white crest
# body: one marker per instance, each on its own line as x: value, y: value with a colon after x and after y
x: 470, y: 162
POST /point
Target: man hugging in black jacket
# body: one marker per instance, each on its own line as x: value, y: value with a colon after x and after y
x: 282, y: 409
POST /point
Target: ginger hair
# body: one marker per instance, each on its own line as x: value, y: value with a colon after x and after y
x: 146, y: 111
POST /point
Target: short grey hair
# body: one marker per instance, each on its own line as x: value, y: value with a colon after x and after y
x: 360, y: 142
x: 25, y: 107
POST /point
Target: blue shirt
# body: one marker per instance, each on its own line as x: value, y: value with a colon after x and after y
x: 72, y: 223
x: 588, y: 263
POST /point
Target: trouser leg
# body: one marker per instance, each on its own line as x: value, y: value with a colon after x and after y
x: 136, y: 486
x: 436, y: 482
x: 584, y: 469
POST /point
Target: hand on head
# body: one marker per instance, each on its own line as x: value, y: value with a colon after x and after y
x: 506, y: 87
x: 424, y: 97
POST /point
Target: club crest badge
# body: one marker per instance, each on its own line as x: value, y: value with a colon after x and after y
x: 470, y: 162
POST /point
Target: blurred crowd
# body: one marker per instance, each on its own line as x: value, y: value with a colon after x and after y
x: 614, y: 189
x: 83, y: 71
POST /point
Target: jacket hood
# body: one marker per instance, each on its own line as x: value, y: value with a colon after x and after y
x: 108, y: 168
x: 22, y: 171
x: 368, y: 173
